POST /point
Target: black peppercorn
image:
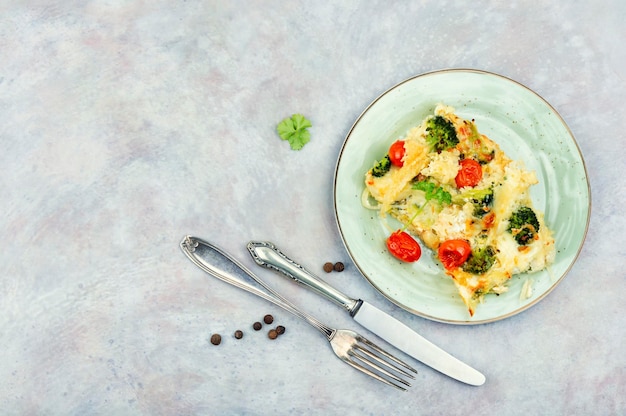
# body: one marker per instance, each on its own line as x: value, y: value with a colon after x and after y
x: 238, y: 334
x: 339, y: 267
x: 268, y: 319
x: 328, y: 267
x: 257, y: 326
x: 272, y: 334
x: 216, y: 339
x: 280, y: 329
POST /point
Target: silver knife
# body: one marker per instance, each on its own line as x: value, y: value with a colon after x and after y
x: 380, y: 323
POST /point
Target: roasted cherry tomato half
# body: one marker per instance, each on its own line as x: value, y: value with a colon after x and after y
x: 403, y: 246
x: 470, y: 173
x: 453, y: 253
x: 396, y: 153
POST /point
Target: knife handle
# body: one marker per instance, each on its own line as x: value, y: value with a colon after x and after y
x: 267, y: 255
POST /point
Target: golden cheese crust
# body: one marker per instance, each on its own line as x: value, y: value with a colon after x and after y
x: 464, y: 215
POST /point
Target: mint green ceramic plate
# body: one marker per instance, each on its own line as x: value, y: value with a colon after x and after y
x: 525, y: 126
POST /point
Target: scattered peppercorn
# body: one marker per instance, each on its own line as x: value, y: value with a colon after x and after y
x: 280, y: 329
x: 272, y: 334
x: 268, y: 319
x: 238, y: 334
x: 216, y: 339
x: 257, y: 326
x: 328, y: 267
x: 339, y: 267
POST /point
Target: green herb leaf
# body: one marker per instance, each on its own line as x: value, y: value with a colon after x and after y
x: 432, y: 191
x: 294, y: 129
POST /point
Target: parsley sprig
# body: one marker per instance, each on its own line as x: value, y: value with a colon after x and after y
x: 294, y: 129
x: 432, y: 191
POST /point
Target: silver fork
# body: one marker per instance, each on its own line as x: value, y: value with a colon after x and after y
x: 349, y: 346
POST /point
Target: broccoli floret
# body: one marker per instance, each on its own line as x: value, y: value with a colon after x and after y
x: 482, y: 199
x: 441, y: 134
x: 382, y: 167
x: 479, y: 149
x: 483, y: 206
x: 480, y: 260
x: 523, y: 225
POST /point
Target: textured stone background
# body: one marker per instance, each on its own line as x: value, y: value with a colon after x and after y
x: 126, y: 125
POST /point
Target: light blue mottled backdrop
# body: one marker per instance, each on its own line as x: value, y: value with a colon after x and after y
x: 126, y: 125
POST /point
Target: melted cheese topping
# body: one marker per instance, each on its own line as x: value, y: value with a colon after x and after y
x: 435, y: 223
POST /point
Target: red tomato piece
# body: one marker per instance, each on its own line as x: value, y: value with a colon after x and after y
x: 453, y: 253
x: 396, y: 153
x: 403, y: 246
x: 470, y: 173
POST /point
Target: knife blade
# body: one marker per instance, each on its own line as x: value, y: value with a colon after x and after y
x: 380, y: 323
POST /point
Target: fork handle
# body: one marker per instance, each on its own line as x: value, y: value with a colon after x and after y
x: 269, y: 256
x: 220, y: 265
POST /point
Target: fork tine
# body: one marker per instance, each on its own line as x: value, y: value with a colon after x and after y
x: 369, y: 358
x: 401, y: 367
x: 378, y: 364
x: 376, y: 376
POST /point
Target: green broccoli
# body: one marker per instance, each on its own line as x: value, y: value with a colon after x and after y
x: 479, y: 149
x: 480, y: 260
x: 523, y: 225
x: 482, y: 199
x: 441, y: 134
x: 382, y: 167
